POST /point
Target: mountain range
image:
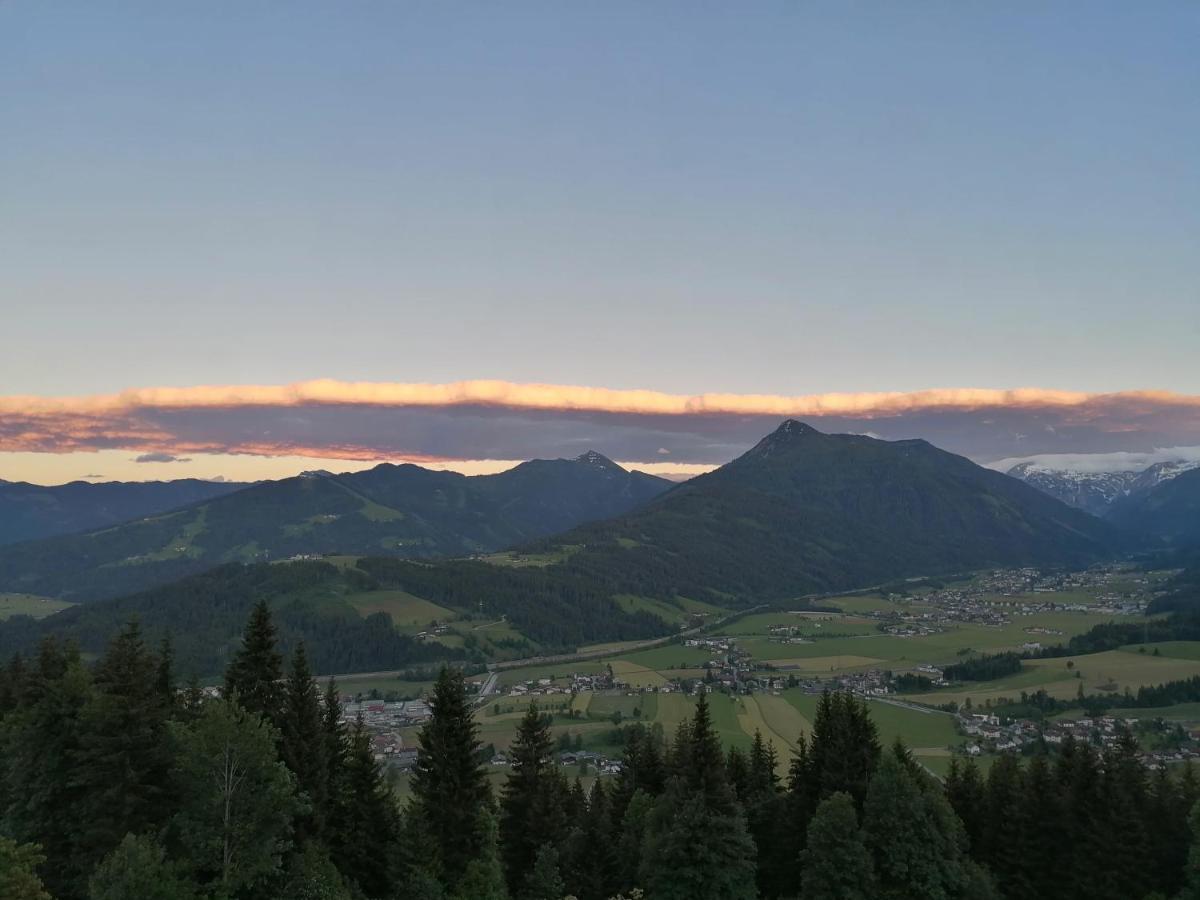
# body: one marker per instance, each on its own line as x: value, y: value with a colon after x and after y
x: 403, y: 511
x: 800, y: 513
x: 1098, y: 492
x: 32, y: 511
x: 1168, y: 514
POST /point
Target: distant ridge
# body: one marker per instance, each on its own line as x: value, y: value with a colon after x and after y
x: 33, y: 511
x: 389, y: 510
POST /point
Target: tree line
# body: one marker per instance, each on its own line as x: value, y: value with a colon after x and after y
x: 118, y: 783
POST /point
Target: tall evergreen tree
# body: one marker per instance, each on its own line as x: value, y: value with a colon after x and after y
x: 450, y: 789
x: 365, y: 837
x: 1003, y: 847
x: 122, y: 770
x: 1042, y: 812
x: 697, y: 845
x: 965, y: 791
x: 303, y: 745
x: 837, y: 864
x: 42, y: 744
x: 255, y: 675
x: 533, y: 805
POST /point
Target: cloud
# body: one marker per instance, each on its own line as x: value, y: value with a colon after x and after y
x: 160, y: 457
x: 504, y: 420
x: 92, y: 475
x: 663, y: 451
x: 1119, y: 461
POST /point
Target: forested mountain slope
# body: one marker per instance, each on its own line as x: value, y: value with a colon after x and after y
x: 32, y: 511
x: 807, y: 512
x: 403, y: 511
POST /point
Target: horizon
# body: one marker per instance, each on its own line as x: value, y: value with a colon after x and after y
x: 651, y: 230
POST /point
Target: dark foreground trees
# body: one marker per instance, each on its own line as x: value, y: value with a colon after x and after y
x: 115, y: 784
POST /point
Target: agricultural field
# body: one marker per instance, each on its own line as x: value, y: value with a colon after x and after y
x: 1113, y: 671
x: 30, y: 605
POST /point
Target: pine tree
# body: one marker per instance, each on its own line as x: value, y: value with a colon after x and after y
x: 43, y: 741
x: 450, y: 789
x: 1124, y: 789
x: 696, y: 852
x: 837, y: 864
x: 1167, y: 833
x: 1042, y: 813
x: 533, y: 805
x: 122, y: 769
x: 764, y: 806
x: 303, y: 745
x: 255, y: 675
x: 965, y: 791
x: 366, y: 835
x: 1003, y: 844
x: 697, y: 845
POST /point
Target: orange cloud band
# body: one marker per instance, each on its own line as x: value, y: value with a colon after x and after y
x: 156, y: 419
x: 510, y: 395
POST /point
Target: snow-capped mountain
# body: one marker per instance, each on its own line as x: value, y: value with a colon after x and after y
x: 1096, y: 491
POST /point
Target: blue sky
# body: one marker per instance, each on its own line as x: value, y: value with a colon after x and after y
x: 777, y: 198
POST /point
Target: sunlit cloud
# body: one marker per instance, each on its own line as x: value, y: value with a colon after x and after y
x: 499, y: 420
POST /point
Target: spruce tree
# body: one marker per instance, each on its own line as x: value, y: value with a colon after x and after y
x: 1003, y: 845
x: 43, y: 743
x: 365, y: 838
x: 122, y: 769
x: 965, y: 791
x: 303, y: 745
x: 1045, y: 852
x: 450, y: 789
x: 1125, y: 809
x: 836, y: 862
x: 697, y: 845
x: 533, y: 805
x: 255, y: 674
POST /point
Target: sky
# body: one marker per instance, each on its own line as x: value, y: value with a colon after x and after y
x: 791, y: 200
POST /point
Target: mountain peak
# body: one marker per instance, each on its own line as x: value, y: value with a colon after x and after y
x: 793, y: 428
x: 592, y: 458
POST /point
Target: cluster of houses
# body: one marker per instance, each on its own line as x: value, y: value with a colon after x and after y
x: 988, y: 733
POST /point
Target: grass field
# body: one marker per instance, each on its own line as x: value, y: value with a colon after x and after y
x: 1115, y: 670
x: 30, y: 605
x: 409, y: 613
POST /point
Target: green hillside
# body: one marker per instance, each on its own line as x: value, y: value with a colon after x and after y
x: 403, y: 511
